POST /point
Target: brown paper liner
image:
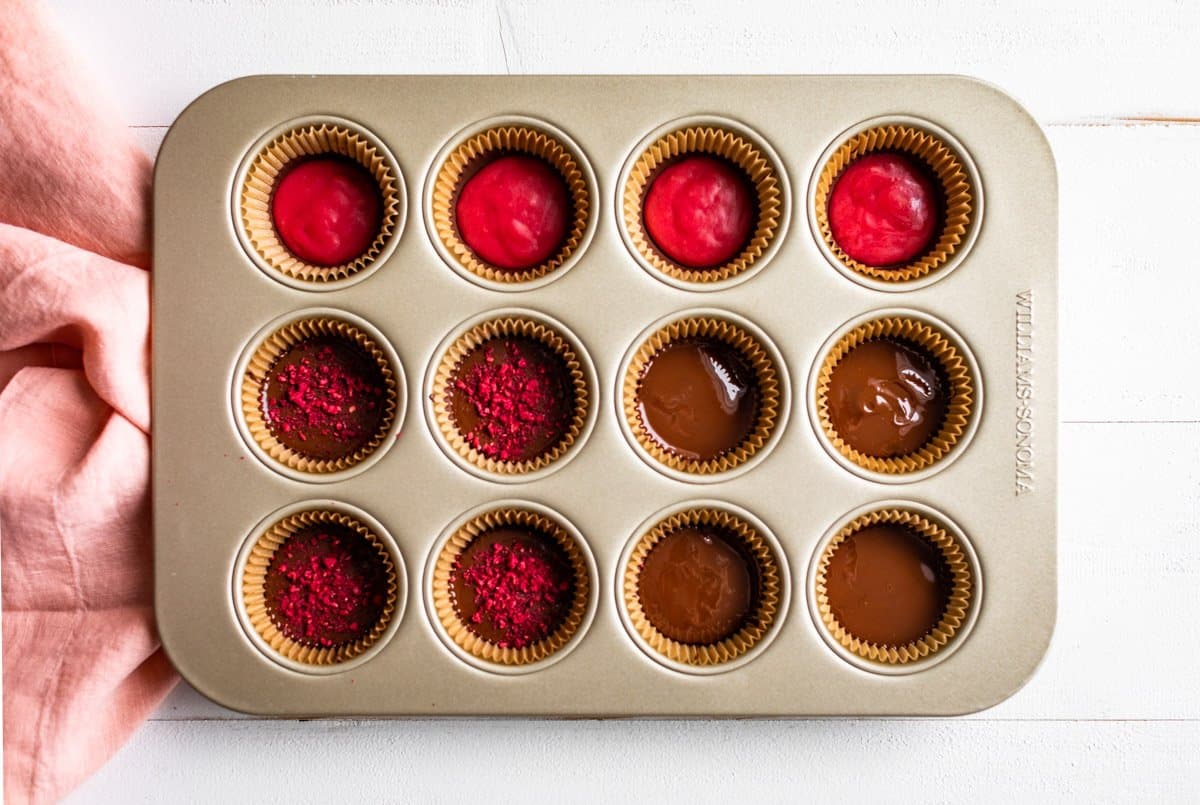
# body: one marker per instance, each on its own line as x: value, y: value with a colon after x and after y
x: 471, y: 155
x: 461, y: 633
x: 508, y: 327
x: 757, y: 624
x: 258, y: 372
x: 956, y: 608
x: 947, y: 168
x: 254, y: 203
x: 733, y: 147
x: 755, y: 355
x: 954, y: 367
x: 255, y: 603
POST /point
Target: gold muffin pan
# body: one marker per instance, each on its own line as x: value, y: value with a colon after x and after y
x: 986, y: 495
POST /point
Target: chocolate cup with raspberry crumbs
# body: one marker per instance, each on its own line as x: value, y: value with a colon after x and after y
x: 511, y: 396
x: 320, y: 586
x: 512, y: 587
x: 325, y: 586
x: 320, y: 395
x: 324, y: 397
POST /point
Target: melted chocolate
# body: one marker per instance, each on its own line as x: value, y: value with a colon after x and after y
x: 887, y: 398
x: 698, y: 398
x: 324, y: 398
x: 887, y: 584
x: 697, y: 586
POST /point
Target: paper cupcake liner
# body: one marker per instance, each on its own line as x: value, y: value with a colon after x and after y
x: 258, y: 373
x: 957, y: 605
x: 954, y: 368
x: 501, y: 328
x: 716, y: 141
x: 755, y: 355
x: 757, y: 624
x: 254, y: 203
x: 255, y: 603
x: 460, y: 632
x: 947, y: 168
x: 474, y: 153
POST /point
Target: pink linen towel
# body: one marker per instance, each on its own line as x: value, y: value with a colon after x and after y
x: 82, y: 662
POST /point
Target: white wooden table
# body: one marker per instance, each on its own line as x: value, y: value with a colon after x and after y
x: 1114, y: 711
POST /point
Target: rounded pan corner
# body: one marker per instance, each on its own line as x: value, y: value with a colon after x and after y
x: 994, y: 90
x: 1018, y: 682
x: 197, y: 109
x: 213, y: 693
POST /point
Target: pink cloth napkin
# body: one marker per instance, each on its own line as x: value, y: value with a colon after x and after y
x: 82, y: 662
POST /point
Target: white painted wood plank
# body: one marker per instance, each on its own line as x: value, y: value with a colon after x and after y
x: 1129, y: 272
x: 666, y: 761
x: 1129, y: 571
x: 1130, y: 518
x: 149, y: 138
x: 1066, y: 61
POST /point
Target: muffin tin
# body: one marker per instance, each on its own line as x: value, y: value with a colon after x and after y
x: 222, y: 289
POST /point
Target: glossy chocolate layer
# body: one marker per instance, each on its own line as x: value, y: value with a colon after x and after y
x: 697, y: 586
x: 512, y: 398
x: 522, y: 588
x: 325, y: 397
x: 887, y: 584
x: 698, y: 398
x: 326, y: 586
x: 887, y: 398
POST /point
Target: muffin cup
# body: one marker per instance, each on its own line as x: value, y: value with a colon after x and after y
x: 255, y: 372
x: 961, y: 607
x: 468, y: 156
x: 484, y: 653
x: 252, y: 578
x: 957, y: 367
x: 733, y: 143
x: 270, y: 161
x: 948, y: 166
x: 760, y: 626
x: 759, y: 354
x: 513, y: 323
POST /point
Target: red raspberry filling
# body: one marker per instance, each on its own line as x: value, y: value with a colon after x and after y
x: 699, y: 211
x: 514, y: 212
x: 884, y: 209
x: 326, y: 210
